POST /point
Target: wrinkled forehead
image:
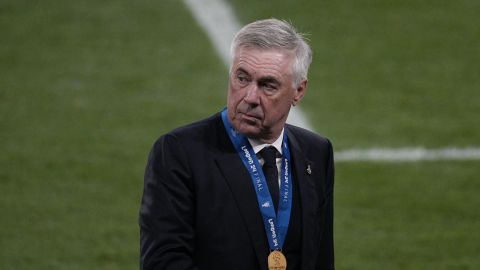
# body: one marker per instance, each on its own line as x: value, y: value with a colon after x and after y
x: 258, y: 50
x: 259, y: 59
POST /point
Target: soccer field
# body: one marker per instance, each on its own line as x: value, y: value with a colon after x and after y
x: 87, y: 86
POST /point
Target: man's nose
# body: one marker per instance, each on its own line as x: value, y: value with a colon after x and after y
x: 251, y: 96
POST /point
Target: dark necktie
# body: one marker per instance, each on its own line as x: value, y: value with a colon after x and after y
x: 269, y: 155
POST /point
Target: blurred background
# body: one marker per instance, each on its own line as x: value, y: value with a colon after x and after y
x: 87, y: 86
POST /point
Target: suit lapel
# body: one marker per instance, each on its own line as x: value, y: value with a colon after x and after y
x: 308, y: 199
x: 238, y: 179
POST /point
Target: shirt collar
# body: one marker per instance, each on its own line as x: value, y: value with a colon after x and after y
x: 258, y: 146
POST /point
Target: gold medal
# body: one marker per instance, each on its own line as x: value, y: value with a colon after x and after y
x: 277, y: 261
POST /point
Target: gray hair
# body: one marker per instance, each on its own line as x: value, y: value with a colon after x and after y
x: 276, y: 34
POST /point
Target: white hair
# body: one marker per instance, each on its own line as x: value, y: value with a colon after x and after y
x: 276, y: 34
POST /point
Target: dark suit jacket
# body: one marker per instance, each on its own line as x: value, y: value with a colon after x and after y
x: 199, y: 209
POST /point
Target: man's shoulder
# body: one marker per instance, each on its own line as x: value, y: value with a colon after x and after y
x: 309, y: 143
x: 305, y: 136
x: 198, y: 128
x: 202, y: 131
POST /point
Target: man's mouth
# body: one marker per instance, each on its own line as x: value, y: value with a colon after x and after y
x: 249, y: 117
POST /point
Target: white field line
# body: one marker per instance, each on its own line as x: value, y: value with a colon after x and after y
x: 218, y: 20
x: 408, y: 154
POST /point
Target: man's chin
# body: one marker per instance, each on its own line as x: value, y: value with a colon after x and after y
x: 249, y: 130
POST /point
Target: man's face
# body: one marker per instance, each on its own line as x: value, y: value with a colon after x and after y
x: 261, y: 92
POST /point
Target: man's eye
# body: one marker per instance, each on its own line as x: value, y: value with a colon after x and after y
x: 242, y: 79
x: 269, y: 87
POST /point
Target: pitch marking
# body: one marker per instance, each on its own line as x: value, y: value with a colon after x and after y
x: 408, y: 154
x: 217, y: 18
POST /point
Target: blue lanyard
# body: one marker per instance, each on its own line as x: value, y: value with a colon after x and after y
x: 276, y: 225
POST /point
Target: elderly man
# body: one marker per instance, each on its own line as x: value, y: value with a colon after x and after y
x: 243, y: 189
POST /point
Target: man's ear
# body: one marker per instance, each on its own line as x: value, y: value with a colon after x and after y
x: 299, y: 92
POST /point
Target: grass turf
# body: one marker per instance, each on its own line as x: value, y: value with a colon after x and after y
x: 86, y: 87
x: 407, y: 216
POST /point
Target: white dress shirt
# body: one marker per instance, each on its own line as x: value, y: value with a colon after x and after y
x: 258, y: 146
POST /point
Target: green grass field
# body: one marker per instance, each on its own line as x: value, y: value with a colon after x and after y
x: 86, y: 87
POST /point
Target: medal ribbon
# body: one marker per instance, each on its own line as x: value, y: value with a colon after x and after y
x: 276, y: 224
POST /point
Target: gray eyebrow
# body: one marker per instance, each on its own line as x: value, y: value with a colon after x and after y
x: 269, y: 79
